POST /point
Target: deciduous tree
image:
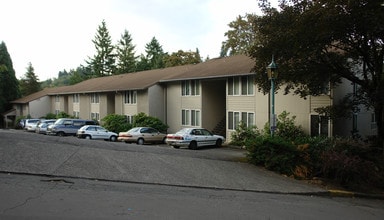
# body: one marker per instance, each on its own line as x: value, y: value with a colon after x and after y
x: 321, y: 41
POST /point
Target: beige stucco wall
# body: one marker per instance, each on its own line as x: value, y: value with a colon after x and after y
x: 173, y: 97
x: 84, y: 108
x: 213, y: 103
x: 156, y: 102
x: 39, y: 107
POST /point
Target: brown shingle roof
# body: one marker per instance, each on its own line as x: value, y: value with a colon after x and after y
x: 215, y: 68
x: 38, y: 95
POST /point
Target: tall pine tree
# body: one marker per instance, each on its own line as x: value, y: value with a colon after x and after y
x: 103, y: 62
x: 155, y: 54
x: 9, y: 86
x: 126, y: 59
x: 29, y: 83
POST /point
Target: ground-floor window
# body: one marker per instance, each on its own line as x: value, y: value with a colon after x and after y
x: 76, y: 114
x: 95, y: 116
x: 57, y: 111
x: 129, y: 119
x: 319, y: 125
x: 234, y: 119
x: 190, y: 117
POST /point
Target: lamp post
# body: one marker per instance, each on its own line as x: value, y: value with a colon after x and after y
x: 272, y: 75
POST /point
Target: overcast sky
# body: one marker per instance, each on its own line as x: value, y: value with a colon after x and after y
x: 57, y: 35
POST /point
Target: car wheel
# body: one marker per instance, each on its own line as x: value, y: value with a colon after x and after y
x: 140, y: 141
x: 88, y: 137
x: 113, y: 138
x: 219, y: 142
x: 193, y: 145
x: 177, y: 147
x: 61, y: 134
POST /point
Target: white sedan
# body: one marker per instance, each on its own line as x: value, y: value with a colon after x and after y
x: 96, y: 132
x: 194, y: 138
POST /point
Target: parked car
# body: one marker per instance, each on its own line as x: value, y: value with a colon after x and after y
x: 194, y: 138
x: 141, y: 135
x: 68, y: 126
x: 96, y: 132
x: 42, y: 125
x: 30, y: 124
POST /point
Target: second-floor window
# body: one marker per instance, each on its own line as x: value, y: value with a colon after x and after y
x: 241, y: 85
x: 190, y: 88
x: 57, y: 98
x: 95, y: 98
x: 76, y: 98
x: 130, y: 97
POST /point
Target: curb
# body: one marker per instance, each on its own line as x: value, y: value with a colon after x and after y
x: 349, y: 194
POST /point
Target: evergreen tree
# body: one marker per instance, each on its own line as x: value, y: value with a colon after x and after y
x: 103, y: 62
x: 126, y: 60
x: 9, y: 88
x: 155, y: 54
x: 29, y: 83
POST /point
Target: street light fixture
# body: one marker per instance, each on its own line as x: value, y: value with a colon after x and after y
x: 272, y: 75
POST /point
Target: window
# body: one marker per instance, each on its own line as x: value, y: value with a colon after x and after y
x: 190, y: 88
x: 234, y: 119
x: 57, y: 112
x: 130, y: 97
x: 95, y: 98
x: 57, y: 98
x: 95, y: 116
x: 190, y: 117
x: 130, y: 119
x: 373, y: 121
x: 76, y: 114
x: 241, y: 85
x: 76, y: 98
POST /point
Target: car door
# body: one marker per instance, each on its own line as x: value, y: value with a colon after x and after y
x: 209, y: 139
x: 102, y: 133
x: 198, y: 136
x: 91, y: 130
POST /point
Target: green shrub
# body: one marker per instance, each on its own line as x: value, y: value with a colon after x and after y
x: 143, y: 120
x: 285, y: 127
x: 50, y: 116
x: 116, y: 123
x: 274, y: 153
x: 62, y: 115
x: 243, y: 134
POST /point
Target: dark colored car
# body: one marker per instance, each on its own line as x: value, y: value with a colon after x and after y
x: 68, y: 126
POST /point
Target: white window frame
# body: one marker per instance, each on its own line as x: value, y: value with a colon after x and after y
x: 235, y: 117
x: 191, y: 117
x: 95, y: 98
x: 76, y: 98
x: 240, y: 86
x: 190, y: 88
x: 95, y: 116
x: 130, y: 97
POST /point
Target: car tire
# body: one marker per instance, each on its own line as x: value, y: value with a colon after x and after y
x: 219, y: 142
x: 177, y: 147
x: 113, y: 138
x: 61, y: 134
x: 88, y: 137
x: 140, y: 141
x: 193, y: 145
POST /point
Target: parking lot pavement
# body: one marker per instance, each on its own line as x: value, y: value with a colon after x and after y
x: 36, y: 154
